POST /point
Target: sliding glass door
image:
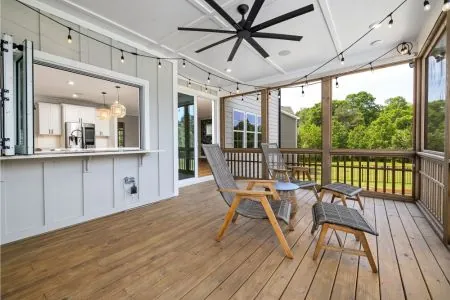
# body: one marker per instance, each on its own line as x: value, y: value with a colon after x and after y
x: 186, y: 137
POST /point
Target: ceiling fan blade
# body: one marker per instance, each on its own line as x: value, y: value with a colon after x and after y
x: 282, y: 18
x: 253, y: 13
x: 235, y: 47
x: 206, y: 30
x: 257, y: 47
x: 215, y: 44
x: 224, y: 14
x: 278, y: 36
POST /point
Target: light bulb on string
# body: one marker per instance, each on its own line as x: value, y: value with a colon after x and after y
x: 342, y: 58
x: 371, y: 67
x: 209, y: 77
x: 184, y: 63
x: 206, y: 88
x: 426, y: 5
x: 242, y: 99
x: 237, y: 88
x: 337, y: 82
x: 303, y: 92
x: 159, y: 63
x: 69, y: 37
x: 279, y: 94
x: 122, y: 58
x: 257, y: 97
x: 391, y: 21
x: 446, y: 6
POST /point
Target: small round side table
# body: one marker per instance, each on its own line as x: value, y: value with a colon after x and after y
x: 289, y: 189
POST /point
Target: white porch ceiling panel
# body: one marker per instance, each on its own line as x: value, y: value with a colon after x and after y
x: 330, y: 28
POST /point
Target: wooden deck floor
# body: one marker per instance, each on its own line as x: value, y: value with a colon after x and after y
x: 168, y: 251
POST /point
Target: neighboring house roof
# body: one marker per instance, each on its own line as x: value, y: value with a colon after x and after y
x: 287, y: 111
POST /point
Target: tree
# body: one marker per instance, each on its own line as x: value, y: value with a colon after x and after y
x: 364, y: 102
x: 309, y: 136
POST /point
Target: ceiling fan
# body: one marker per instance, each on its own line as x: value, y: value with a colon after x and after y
x: 244, y: 29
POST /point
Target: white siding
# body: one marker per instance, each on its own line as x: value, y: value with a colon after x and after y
x: 273, y: 118
x: 288, y: 132
x: 71, y: 185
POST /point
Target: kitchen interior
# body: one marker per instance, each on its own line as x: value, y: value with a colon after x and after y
x: 75, y: 112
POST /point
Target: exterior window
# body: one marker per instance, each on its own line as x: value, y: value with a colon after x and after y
x: 251, y: 130
x: 435, y: 100
x: 238, y: 128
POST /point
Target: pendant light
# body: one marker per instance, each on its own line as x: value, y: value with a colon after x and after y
x: 426, y: 5
x: 117, y: 109
x: 446, y: 6
x: 103, y: 113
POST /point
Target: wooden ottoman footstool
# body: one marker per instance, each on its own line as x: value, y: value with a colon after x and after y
x: 343, y: 191
x: 342, y: 218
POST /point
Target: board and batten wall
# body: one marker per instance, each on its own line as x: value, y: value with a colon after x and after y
x: 288, y: 138
x: 250, y: 105
x: 38, y: 195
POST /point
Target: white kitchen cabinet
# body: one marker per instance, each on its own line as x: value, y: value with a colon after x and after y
x: 49, y: 116
x: 102, y: 127
x: 75, y: 113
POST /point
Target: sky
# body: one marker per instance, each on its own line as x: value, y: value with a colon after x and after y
x: 383, y: 84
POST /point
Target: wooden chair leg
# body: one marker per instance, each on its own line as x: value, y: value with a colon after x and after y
x: 320, y: 242
x: 276, y: 227
x: 357, y: 237
x: 359, y: 201
x: 344, y: 202
x: 315, y: 193
x: 366, y: 247
x: 234, y: 218
x: 228, y: 217
x: 332, y: 198
x: 322, y: 193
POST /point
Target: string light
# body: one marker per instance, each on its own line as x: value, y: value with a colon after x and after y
x: 279, y: 93
x: 237, y: 88
x: 122, y: 58
x: 446, y: 6
x: 303, y: 92
x: 184, y: 63
x: 337, y: 83
x: 69, y: 37
x: 426, y: 5
x: 391, y: 21
x: 257, y: 97
x: 371, y: 67
x: 242, y: 99
x: 209, y: 77
x: 342, y: 58
x: 206, y: 88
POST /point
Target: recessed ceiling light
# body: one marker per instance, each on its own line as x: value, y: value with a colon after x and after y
x: 284, y: 52
x: 376, y: 42
x: 70, y: 82
x: 375, y: 25
x: 75, y: 95
x: 228, y: 70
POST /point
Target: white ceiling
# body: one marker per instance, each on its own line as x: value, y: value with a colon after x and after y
x: 330, y: 28
x: 53, y: 83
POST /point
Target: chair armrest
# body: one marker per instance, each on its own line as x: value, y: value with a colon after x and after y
x: 246, y: 192
x: 259, y: 180
x: 299, y: 168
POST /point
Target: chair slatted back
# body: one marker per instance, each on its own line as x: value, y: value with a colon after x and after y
x: 273, y: 157
x: 222, y: 175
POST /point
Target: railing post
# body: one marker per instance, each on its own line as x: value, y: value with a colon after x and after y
x: 264, y: 126
x: 326, y: 130
x: 446, y: 204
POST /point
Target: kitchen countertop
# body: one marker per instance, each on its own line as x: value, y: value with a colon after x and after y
x: 61, y: 153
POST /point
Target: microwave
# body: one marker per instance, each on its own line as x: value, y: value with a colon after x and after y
x: 88, y: 135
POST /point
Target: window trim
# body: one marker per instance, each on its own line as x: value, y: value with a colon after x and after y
x: 245, y: 131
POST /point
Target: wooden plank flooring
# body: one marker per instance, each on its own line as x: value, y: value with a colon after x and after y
x: 167, y: 251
